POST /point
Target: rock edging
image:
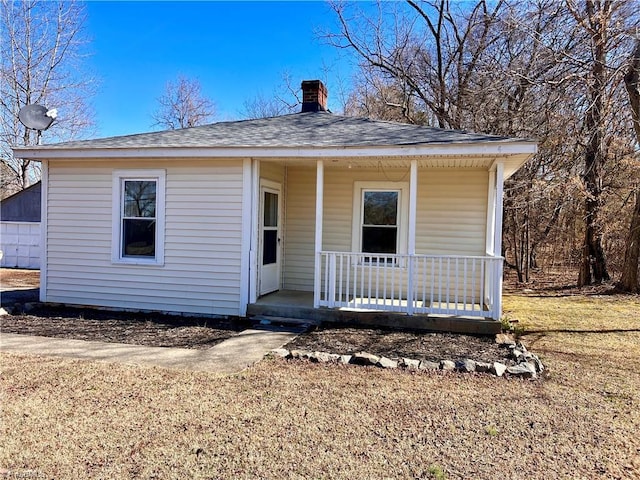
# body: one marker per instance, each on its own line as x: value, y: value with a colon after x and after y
x: 526, y: 364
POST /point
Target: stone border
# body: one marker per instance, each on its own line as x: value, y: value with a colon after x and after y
x: 527, y: 364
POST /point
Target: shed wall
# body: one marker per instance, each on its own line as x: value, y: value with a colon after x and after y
x: 23, y: 206
x: 20, y: 244
x: 201, y: 273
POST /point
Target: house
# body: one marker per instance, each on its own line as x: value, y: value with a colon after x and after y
x: 20, y: 228
x: 335, y: 214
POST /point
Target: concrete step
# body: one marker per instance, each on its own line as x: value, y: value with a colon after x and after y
x: 285, y: 324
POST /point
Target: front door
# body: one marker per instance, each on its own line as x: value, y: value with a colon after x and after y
x: 270, y: 214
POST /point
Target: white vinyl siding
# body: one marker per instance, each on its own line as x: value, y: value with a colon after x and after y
x: 202, y: 249
x: 451, y: 213
x: 272, y: 171
x: 203, y: 229
x: 300, y: 213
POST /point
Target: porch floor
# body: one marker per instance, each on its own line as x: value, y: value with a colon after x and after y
x: 292, y: 298
x: 298, y: 304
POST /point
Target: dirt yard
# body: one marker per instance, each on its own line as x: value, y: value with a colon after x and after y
x: 153, y: 330
x: 294, y: 419
x: 398, y: 344
x: 11, y: 278
x: 174, y: 331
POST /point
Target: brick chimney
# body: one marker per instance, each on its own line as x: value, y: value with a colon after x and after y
x: 314, y: 96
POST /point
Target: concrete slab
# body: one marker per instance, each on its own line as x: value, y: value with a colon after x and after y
x: 231, y: 356
x: 293, y: 298
x: 432, y: 323
x: 247, y: 348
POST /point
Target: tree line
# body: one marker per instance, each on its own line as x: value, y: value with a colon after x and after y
x: 549, y: 70
x: 562, y: 72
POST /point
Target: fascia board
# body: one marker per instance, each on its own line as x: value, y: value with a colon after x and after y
x: 489, y: 148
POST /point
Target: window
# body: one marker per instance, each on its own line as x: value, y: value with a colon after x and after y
x: 138, y: 215
x: 379, y: 232
x: 380, y: 217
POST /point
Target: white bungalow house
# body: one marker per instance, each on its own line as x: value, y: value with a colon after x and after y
x: 332, y: 213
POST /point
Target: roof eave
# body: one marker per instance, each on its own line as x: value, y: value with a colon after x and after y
x: 472, y: 148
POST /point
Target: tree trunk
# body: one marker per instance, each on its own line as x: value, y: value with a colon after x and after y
x: 516, y: 247
x: 533, y: 253
x: 594, y: 265
x: 629, y: 279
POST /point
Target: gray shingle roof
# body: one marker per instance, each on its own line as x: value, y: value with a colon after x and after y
x: 313, y: 129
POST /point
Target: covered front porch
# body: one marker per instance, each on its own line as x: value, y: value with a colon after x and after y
x: 444, y: 272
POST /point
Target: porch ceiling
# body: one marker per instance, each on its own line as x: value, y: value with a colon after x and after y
x: 374, y: 162
x: 485, y: 162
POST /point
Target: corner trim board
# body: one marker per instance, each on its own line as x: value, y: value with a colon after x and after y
x: 44, y: 214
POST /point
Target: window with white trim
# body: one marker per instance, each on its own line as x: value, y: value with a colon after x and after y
x: 138, y: 217
x: 379, y: 228
x: 380, y: 213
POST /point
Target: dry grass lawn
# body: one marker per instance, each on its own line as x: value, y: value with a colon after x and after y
x: 69, y: 419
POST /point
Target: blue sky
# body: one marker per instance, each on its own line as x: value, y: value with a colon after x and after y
x: 235, y: 49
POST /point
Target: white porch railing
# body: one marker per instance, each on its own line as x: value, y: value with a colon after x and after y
x: 423, y: 284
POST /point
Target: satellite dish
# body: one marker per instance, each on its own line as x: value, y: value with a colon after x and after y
x: 37, y: 117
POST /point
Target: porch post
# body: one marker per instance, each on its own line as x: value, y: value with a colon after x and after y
x: 247, y: 221
x: 490, y: 235
x: 411, y: 247
x: 253, y: 249
x: 317, y: 277
x: 491, y: 213
x: 497, y: 241
x: 413, y: 201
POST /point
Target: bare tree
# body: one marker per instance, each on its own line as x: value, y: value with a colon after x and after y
x: 182, y: 105
x: 600, y: 22
x: 374, y: 95
x: 539, y: 69
x: 632, y: 84
x: 519, y: 90
x: 584, y: 47
x: 596, y: 21
x: 41, y: 53
x: 629, y: 279
x: 480, y: 67
x: 430, y: 50
x: 284, y: 99
x: 261, y: 106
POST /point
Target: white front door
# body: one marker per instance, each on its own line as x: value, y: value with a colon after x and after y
x: 269, y: 253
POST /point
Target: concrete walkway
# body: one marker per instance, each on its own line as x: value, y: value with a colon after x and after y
x: 229, y: 356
